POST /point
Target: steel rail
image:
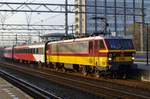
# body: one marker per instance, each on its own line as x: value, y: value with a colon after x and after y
x: 101, y: 87
x: 84, y: 83
x: 32, y: 90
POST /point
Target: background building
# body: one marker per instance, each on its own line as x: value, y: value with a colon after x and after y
x: 80, y: 18
x: 121, y: 15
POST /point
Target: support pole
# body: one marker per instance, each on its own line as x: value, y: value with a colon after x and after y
x: 147, y: 57
x: 66, y: 17
x: 142, y: 27
x: 95, y: 16
x: 125, y: 25
x: 115, y: 16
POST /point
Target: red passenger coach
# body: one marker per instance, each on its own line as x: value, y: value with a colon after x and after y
x: 30, y: 53
x: 20, y: 53
x: 8, y: 53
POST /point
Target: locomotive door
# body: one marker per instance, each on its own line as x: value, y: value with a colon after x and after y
x: 95, y: 50
x: 92, y: 52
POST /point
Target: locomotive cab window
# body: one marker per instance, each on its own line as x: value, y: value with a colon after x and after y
x: 101, y: 44
x: 117, y: 44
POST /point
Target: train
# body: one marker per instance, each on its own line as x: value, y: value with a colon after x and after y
x: 97, y: 55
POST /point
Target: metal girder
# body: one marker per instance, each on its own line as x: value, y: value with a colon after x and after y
x: 13, y: 40
x: 54, y: 8
x: 33, y: 27
x: 18, y: 33
x: 34, y: 7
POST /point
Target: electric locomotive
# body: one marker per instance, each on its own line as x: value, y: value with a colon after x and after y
x: 92, y: 54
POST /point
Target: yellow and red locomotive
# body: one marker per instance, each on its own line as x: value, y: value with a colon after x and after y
x: 92, y: 53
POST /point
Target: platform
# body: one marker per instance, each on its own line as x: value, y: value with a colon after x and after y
x: 143, y: 66
x: 8, y: 91
x: 146, y: 74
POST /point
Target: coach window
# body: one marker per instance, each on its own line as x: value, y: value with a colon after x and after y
x: 101, y: 44
x: 26, y: 50
x: 40, y: 50
x: 32, y: 50
x: 18, y: 51
x: 29, y: 51
x: 36, y: 51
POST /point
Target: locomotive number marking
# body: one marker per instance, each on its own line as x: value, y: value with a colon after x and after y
x: 122, y: 59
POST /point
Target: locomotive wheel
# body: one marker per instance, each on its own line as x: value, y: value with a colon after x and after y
x: 84, y: 70
x: 114, y: 75
x: 63, y: 69
x: 84, y: 73
x: 56, y: 68
x: 76, y: 68
x: 124, y: 76
x: 97, y: 74
x: 119, y: 75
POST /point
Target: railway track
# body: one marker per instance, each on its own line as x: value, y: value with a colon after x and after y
x: 32, y: 90
x: 100, y: 88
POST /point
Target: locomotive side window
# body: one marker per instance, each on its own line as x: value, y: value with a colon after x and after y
x: 71, y: 48
x: 101, y: 44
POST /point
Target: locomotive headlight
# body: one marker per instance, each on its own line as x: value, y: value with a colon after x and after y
x: 110, y: 59
x: 133, y: 58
